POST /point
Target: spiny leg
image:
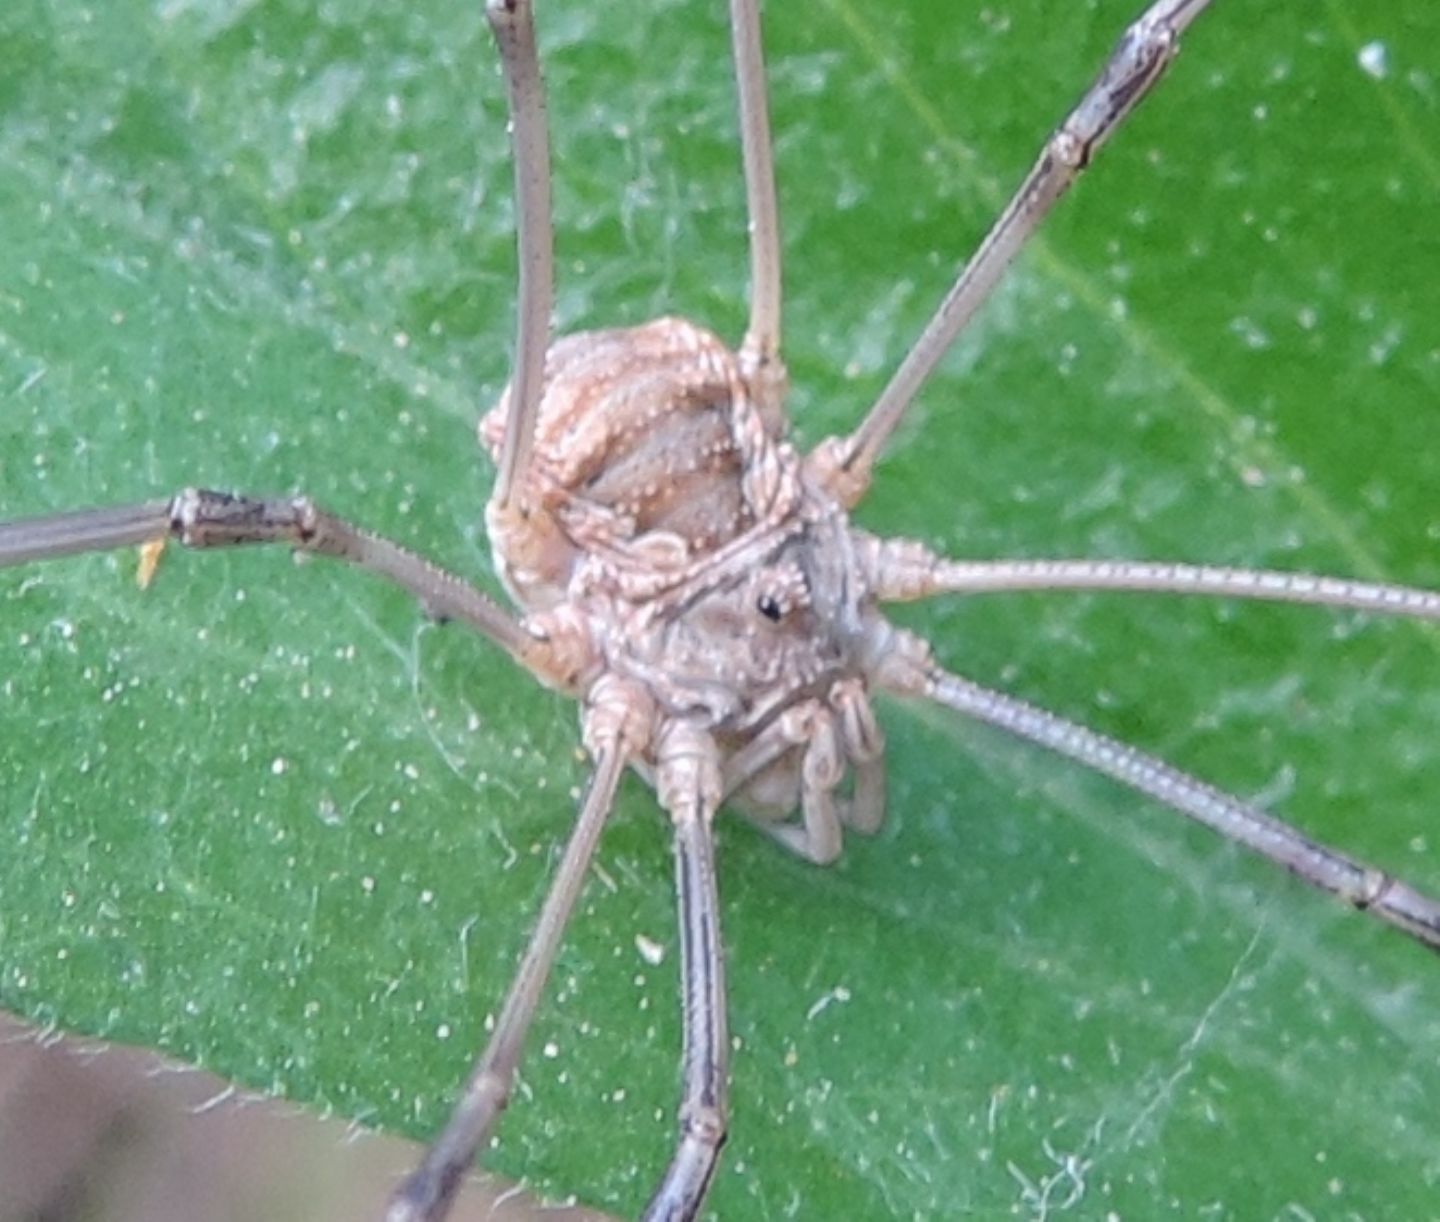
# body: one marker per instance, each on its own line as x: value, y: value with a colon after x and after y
x: 201, y: 519
x: 1137, y: 63
x: 1365, y: 887
x: 689, y: 783
x: 901, y: 570
x: 512, y: 23
x: 760, y: 351
x: 617, y: 724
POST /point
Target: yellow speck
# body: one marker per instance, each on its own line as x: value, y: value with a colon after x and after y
x: 150, y: 554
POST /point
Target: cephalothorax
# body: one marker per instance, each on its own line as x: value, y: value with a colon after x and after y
x: 696, y: 583
x: 692, y: 556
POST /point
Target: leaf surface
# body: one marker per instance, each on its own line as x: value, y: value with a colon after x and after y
x: 262, y: 816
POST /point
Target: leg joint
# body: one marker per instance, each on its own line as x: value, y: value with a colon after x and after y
x: 705, y: 1124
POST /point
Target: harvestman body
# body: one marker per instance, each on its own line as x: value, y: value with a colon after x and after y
x: 696, y: 584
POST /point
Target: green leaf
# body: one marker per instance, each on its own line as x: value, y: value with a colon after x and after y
x: 263, y: 817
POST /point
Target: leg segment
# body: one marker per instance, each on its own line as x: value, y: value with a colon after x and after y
x: 864, y: 744
x: 780, y: 736
x: 1137, y: 63
x: 760, y: 352
x: 1363, y: 886
x: 901, y: 570
x: 689, y: 788
x: 513, y: 25
x: 830, y: 737
x: 201, y: 519
x: 822, y: 768
x: 617, y: 724
x: 89, y: 530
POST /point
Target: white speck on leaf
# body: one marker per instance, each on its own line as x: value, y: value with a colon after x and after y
x: 839, y: 993
x: 1374, y: 60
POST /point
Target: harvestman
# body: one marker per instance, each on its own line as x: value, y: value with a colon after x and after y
x: 697, y: 585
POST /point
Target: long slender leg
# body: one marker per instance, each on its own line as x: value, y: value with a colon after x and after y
x: 689, y: 787
x: 201, y: 519
x: 760, y: 352
x: 900, y: 570
x: 89, y: 530
x: 513, y: 25
x: 1363, y: 886
x: 426, y: 1194
x: 1137, y: 63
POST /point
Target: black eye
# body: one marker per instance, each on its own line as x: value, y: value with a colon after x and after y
x: 768, y: 607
